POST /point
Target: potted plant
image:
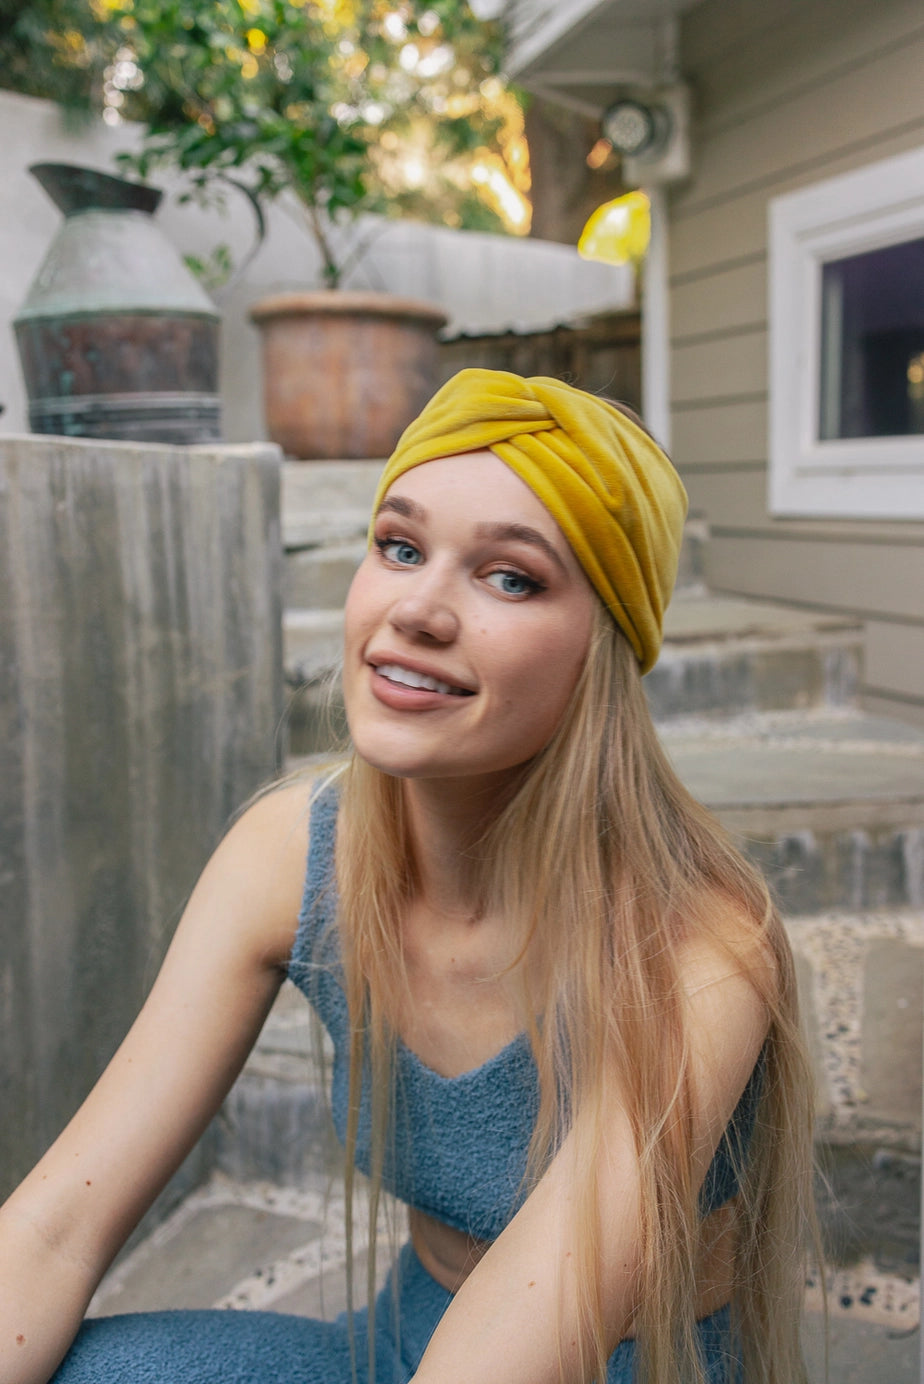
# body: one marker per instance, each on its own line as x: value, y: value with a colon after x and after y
x: 336, y: 105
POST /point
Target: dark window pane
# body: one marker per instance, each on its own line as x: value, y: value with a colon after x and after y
x: 872, y: 344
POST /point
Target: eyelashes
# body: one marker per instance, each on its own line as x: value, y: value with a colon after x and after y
x: 510, y: 578
x: 401, y: 544
x: 508, y: 581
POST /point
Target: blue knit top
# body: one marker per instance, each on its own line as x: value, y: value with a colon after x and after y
x: 458, y: 1145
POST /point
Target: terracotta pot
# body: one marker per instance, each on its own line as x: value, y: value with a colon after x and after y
x: 343, y: 372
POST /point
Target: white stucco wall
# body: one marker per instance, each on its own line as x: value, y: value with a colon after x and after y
x: 483, y: 282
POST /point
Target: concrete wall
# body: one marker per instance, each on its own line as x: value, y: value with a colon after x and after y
x: 140, y: 693
x: 483, y: 282
x: 785, y: 94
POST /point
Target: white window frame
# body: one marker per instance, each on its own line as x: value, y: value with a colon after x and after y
x: 872, y: 478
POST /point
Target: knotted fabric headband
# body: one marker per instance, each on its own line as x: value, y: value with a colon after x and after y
x: 613, y: 492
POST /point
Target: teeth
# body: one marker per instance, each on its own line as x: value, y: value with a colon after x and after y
x: 409, y: 678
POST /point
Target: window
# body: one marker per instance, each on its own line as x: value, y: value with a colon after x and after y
x: 847, y: 344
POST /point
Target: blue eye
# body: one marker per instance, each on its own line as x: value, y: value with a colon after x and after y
x: 399, y: 551
x: 513, y: 583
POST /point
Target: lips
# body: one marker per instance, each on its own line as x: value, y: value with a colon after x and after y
x: 402, y: 676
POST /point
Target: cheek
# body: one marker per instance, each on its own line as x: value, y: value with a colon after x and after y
x: 547, y: 678
x: 358, y: 609
x: 358, y: 623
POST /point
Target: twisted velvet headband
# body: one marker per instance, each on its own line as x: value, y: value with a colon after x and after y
x: 608, y: 485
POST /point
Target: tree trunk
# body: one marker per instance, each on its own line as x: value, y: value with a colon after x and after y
x: 565, y: 190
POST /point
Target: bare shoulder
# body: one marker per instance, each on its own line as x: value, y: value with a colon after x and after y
x: 279, y: 816
x: 729, y: 945
x: 252, y: 885
x: 730, y: 975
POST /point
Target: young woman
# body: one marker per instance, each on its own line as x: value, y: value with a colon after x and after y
x: 562, y: 1005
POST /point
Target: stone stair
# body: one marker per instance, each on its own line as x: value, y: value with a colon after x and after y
x: 325, y: 515
x: 757, y: 706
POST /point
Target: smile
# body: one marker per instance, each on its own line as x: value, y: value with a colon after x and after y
x: 409, y: 677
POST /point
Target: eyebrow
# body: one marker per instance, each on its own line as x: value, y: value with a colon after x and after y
x: 521, y: 533
x: 397, y: 504
x: 518, y: 533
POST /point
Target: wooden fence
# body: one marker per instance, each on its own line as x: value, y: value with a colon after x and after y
x: 601, y: 354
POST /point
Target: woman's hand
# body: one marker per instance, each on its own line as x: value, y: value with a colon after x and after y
x: 62, y: 1227
x: 515, y: 1318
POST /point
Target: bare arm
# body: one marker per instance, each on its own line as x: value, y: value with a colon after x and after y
x: 62, y: 1227
x: 502, y: 1327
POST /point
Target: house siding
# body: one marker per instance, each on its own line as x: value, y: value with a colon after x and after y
x: 785, y: 94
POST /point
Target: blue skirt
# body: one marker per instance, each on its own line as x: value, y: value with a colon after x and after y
x: 231, y: 1347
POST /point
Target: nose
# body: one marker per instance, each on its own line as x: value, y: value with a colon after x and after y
x: 425, y: 610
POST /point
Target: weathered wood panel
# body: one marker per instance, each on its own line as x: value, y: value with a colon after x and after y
x: 603, y: 355
x: 140, y: 699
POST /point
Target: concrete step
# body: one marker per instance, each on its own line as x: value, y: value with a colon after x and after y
x: 312, y: 650
x: 319, y: 578
x: 246, y: 1246
x: 691, y: 569
x: 723, y: 655
x: 326, y: 501
x: 312, y: 642
x: 276, y: 1124
x: 329, y: 485
x: 861, y: 994
x: 830, y: 805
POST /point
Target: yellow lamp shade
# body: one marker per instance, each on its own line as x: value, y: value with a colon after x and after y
x: 619, y: 231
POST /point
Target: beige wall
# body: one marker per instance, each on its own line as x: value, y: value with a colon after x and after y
x: 786, y: 93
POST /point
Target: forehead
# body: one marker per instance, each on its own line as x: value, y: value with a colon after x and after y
x: 476, y: 485
x: 475, y: 495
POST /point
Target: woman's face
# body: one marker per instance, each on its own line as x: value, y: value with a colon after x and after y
x: 467, y: 624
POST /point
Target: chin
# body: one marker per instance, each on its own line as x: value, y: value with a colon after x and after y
x: 388, y: 758
x: 405, y: 766
x: 437, y: 767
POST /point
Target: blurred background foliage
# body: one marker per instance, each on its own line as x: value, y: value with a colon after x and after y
x: 390, y: 106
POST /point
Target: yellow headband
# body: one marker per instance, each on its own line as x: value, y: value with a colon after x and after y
x: 612, y: 491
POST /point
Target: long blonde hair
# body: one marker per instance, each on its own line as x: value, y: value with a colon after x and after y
x: 638, y: 868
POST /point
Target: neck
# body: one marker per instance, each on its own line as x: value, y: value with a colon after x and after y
x: 447, y: 820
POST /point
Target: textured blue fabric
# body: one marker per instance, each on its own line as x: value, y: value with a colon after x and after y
x: 458, y: 1145
x: 459, y: 1150
x: 266, y: 1348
